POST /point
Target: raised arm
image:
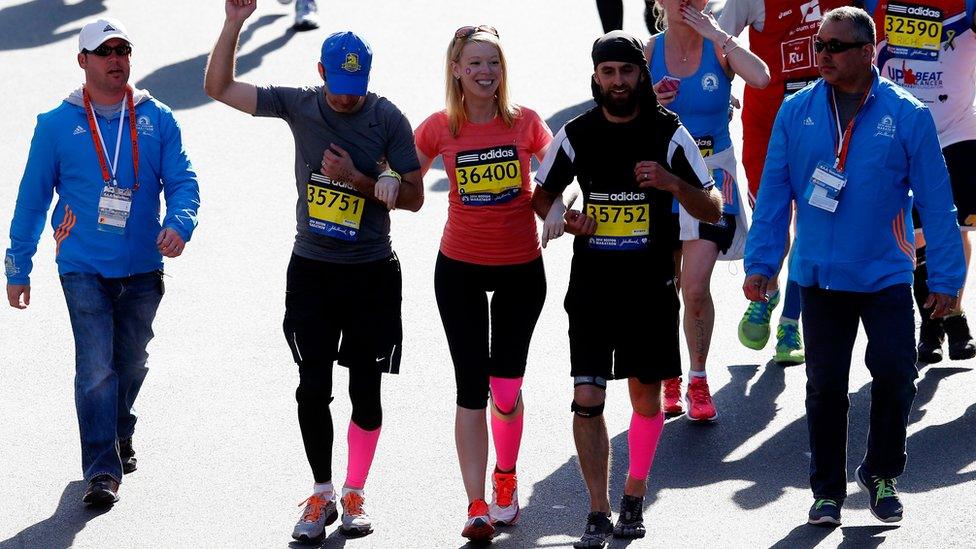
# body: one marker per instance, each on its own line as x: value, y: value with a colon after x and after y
x: 739, y: 60
x: 219, y: 82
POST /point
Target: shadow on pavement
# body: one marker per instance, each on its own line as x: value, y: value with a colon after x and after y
x: 180, y: 85
x: 557, y: 506
x: 332, y: 541
x: 36, y: 23
x: 59, y: 530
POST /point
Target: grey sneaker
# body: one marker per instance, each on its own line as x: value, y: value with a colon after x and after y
x: 306, y: 15
x: 824, y: 511
x: 319, y: 513
x: 355, y: 520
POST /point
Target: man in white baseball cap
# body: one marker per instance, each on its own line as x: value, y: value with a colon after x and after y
x: 99, y: 31
x: 110, y: 238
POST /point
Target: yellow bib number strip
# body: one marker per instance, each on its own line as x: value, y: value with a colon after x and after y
x: 612, y: 220
x: 489, y: 178
x: 334, y: 206
x: 913, y: 33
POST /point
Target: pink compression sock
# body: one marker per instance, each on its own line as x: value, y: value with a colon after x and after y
x: 642, y: 441
x: 507, y: 432
x: 362, y: 447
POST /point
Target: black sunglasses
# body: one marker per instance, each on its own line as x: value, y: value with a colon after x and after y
x: 836, y: 46
x: 122, y: 50
x: 464, y: 32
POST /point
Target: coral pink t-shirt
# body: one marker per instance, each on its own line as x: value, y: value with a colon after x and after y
x: 490, y: 220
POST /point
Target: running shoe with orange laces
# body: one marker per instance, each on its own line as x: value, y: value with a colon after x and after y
x: 478, y: 527
x: 672, y: 397
x: 504, y: 509
x: 319, y: 512
x: 355, y: 520
x: 700, y: 407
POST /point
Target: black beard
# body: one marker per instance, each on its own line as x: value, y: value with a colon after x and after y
x: 620, y: 107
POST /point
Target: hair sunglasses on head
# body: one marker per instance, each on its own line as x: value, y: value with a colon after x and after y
x: 122, y: 50
x: 835, y: 46
x: 465, y: 32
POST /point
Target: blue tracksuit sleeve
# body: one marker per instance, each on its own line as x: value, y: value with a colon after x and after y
x: 179, y: 180
x: 929, y: 182
x: 771, y: 217
x: 33, y: 200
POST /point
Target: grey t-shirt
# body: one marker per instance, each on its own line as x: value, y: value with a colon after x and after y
x: 847, y: 104
x: 337, y: 223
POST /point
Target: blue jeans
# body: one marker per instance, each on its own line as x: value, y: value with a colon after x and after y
x: 830, y: 321
x: 111, y: 319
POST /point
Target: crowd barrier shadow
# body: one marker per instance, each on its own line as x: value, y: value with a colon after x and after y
x: 36, y: 23
x: 59, y: 530
x: 180, y: 85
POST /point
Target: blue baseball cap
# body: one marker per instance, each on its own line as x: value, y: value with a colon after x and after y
x: 347, y: 59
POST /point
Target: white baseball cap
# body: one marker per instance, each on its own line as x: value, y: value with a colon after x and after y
x: 95, y: 33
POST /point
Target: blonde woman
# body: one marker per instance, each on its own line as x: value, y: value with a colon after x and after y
x: 490, y: 244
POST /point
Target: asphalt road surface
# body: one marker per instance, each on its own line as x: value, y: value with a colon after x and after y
x: 221, y: 462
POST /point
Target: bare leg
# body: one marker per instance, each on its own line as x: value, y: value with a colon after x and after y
x: 593, y: 447
x: 471, y: 438
x: 699, y: 316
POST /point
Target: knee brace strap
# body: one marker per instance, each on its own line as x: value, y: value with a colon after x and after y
x: 587, y: 411
x: 590, y: 380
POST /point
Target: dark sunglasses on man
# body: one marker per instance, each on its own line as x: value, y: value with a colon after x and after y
x: 835, y: 46
x: 122, y: 50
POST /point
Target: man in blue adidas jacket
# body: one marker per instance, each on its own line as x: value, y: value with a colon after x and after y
x: 852, y: 150
x: 108, y: 151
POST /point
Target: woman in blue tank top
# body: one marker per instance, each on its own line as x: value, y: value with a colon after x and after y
x: 692, y: 64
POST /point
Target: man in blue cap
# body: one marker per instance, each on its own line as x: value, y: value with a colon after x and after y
x: 351, y: 148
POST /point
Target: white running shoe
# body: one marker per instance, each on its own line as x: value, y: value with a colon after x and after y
x: 504, y: 508
x: 355, y: 519
x: 306, y: 15
x: 319, y: 512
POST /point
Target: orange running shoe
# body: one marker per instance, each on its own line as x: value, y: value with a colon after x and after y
x: 700, y: 407
x: 504, y: 508
x: 672, y: 397
x: 478, y: 527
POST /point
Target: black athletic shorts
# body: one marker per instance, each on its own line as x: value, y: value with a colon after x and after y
x: 621, y: 323
x: 721, y: 233
x: 356, y: 303
x: 960, y: 159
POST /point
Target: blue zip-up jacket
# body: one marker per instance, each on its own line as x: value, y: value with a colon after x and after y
x: 867, y: 244
x: 62, y: 159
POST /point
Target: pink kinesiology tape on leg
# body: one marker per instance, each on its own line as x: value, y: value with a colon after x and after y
x: 507, y: 432
x: 362, y: 447
x: 642, y: 441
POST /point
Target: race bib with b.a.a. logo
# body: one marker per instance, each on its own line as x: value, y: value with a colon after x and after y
x: 622, y: 220
x: 913, y: 31
x: 488, y: 176
x: 335, y: 209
